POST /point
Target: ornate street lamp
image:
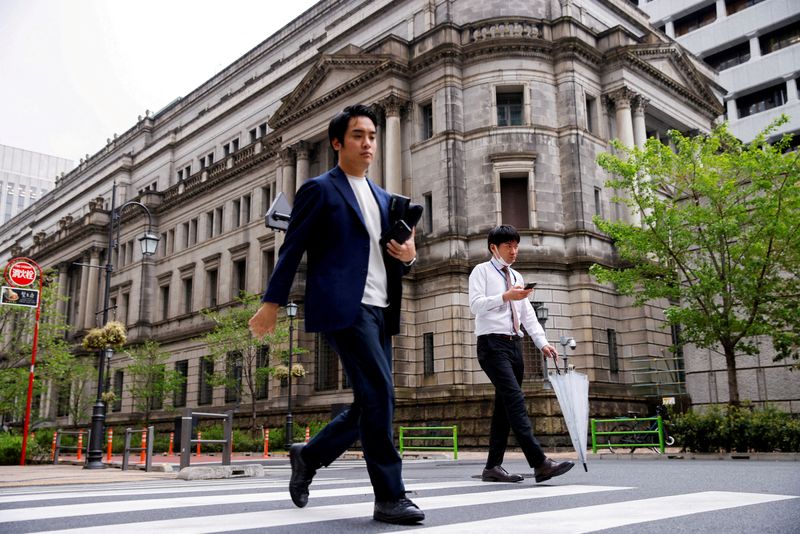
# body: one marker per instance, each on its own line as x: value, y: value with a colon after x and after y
x: 291, y: 312
x: 149, y: 244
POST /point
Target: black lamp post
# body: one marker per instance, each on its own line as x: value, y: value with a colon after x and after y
x: 541, y: 315
x: 149, y: 244
x: 291, y: 312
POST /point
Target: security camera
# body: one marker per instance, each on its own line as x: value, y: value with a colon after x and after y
x: 572, y: 343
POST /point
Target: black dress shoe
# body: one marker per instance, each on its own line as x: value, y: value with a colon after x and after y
x: 498, y: 474
x: 301, y: 476
x: 550, y: 469
x: 398, y: 512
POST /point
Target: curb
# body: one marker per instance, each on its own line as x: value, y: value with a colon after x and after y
x: 210, y: 472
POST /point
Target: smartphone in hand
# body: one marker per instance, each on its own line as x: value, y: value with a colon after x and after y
x: 530, y: 285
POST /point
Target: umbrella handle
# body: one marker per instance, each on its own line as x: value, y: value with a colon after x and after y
x: 555, y: 363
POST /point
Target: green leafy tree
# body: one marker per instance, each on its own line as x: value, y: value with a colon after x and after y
x: 150, y: 380
x: 54, y: 361
x: 230, y: 341
x: 719, y: 239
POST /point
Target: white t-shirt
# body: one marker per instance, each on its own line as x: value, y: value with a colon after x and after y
x: 375, y: 290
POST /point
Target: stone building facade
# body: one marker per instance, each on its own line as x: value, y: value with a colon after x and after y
x: 490, y: 111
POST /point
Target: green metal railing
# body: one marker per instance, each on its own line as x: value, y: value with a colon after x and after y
x: 635, y: 434
x: 404, y: 438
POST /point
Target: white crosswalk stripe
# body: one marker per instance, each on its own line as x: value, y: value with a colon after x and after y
x: 234, y: 505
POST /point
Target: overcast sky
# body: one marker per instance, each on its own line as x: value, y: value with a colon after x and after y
x: 74, y: 72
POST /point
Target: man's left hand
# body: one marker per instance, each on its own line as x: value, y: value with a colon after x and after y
x: 404, y: 252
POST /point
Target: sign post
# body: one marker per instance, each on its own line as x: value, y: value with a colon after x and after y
x: 19, y: 274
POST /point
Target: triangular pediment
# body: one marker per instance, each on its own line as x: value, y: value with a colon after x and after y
x: 333, y: 75
x: 670, y: 65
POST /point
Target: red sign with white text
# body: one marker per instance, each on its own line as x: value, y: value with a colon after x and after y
x: 20, y: 273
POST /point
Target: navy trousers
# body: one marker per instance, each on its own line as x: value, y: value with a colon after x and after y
x: 500, y: 357
x: 365, y: 351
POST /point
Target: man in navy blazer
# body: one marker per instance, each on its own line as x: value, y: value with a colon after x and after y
x: 353, y: 293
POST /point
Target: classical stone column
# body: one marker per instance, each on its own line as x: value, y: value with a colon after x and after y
x: 61, y: 304
x: 375, y: 171
x: 639, y: 127
x: 622, y: 108
x: 393, y: 176
x: 302, y: 152
x: 83, y: 302
x: 287, y: 185
x: 90, y: 319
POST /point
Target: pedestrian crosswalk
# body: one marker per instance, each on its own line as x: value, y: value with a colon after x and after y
x: 345, y: 505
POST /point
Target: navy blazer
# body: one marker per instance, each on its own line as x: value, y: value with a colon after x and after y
x: 327, y: 224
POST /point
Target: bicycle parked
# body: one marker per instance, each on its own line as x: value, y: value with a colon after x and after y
x: 642, y: 433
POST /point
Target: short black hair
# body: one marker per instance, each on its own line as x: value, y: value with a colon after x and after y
x: 338, y: 125
x: 502, y: 234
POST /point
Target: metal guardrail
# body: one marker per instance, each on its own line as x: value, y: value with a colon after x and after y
x: 186, y: 435
x: 58, y: 446
x: 148, y: 449
x: 403, y: 438
x: 658, y: 432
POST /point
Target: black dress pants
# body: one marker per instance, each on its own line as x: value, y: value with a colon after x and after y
x: 500, y: 357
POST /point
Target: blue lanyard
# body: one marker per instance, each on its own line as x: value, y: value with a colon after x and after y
x: 501, y: 272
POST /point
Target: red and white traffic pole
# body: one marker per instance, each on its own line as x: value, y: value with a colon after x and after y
x: 23, y: 272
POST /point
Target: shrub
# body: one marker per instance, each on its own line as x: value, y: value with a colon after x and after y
x: 737, y: 428
x: 11, y: 449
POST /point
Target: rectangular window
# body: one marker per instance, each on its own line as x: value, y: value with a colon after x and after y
x: 171, y: 240
x: 262, y: 378
x: 262, y: 129
x: 205, y: 389
x: 245, y: 216
x: 698, y: 19
x: 117, y: 389
x: 427, y: 353
x: 267, y: 261
x: 237, y: 213
x: 193, y: 232
x: 157, y: 381
x: 427, y: 199
x: 179, y: 395
x: 591, y: 114
x: 164, y: 290
x: 163, y: 247
x: 426, y: 119
x: 326, y: 365
x: 780, y: 38
x: 771, y: 97
x: 514, y: 201
x: 533, y: 360
x: 218, y: 213
x: 210, y: 224
x: 62, y: 402
x: 598, y: 202
x: 734, y: 6
x: 126, y: 308
x: 211, y: 288
x: 613, y: 355
x: 129, y: 258
x: 187, y: 295
x: 253, y: 135
x: 233, y: 374
x: 509, y: 106
x: 239, y: 277
x: 730, y: 57
x: 185, y: 229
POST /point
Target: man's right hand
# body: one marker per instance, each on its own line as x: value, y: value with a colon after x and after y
x: 516, y: 293
x: 263, y: 322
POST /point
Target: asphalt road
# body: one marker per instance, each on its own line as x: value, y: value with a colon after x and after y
x: 628, y: 495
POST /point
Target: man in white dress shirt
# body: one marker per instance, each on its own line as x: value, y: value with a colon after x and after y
x: 499, y: 300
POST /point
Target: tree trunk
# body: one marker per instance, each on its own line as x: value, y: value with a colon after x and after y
x: 733, y: 382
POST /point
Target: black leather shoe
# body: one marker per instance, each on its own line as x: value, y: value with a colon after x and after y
x: 550, y: 469
x: 301, y: 476
x: 498, y: 474
x: 398, y: 512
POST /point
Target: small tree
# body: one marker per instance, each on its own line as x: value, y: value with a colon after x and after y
x: 231, y: 341
x: 150, y: 380
x: 719, y: 239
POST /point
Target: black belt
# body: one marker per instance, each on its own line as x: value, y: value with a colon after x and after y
x: 504, y: 337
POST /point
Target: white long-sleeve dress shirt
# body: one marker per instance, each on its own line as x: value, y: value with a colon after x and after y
x: 487, y: 283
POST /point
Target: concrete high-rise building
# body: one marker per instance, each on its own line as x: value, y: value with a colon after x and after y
x: 755, y: 46
x: 490, y: 111
x: 25, y: 177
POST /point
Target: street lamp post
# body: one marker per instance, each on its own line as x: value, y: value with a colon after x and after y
x: 149, y: 244
x: 291, y: 311
x: 541, y: 315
